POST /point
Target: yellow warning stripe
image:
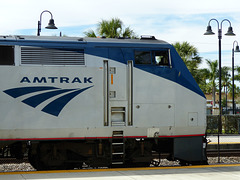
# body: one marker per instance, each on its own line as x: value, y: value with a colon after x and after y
x: 118, y: 169
x: 224, y: 143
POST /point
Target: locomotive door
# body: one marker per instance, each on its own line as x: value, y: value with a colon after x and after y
x: 118, y: 94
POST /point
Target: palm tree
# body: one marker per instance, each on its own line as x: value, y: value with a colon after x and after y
x: 203, y: 76
x: 226, y: 76
x: 90, y: 33
x: 237, y: 76
x: 213, y: 70
x: 236, y: 90
x: 226, y: 83
x: 111, y: 29
x: 186, y: 51
x: 189, y: 55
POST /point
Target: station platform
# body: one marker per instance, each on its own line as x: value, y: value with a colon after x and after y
x: 224, y: 139
x: 220, y: 171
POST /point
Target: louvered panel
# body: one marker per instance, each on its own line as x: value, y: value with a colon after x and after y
x: 42, y: 56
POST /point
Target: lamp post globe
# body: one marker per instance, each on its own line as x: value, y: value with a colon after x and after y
x: 50, y: 25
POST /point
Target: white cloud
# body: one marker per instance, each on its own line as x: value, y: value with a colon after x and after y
x: 79, y: 12
x: 172, y: 21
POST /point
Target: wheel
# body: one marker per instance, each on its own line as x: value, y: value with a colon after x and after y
x: 52, y: 155
x: 47, y: 156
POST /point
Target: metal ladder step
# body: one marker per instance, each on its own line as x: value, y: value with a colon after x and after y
x: 117, y: 163
x: 117, y: 134
x: 118, y: 153
x: 117, y: 148
x: 119, y: 143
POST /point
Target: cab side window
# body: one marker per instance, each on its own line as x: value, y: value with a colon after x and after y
x: 161, y: 58
x: 143, y: 57
x: 6, y: 55
x: 157, y: 58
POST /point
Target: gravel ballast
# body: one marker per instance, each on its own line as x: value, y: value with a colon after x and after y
x: 27, y: 167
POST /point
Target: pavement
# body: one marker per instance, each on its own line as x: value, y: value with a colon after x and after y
x: 230, y: 139
x: 210, y: 172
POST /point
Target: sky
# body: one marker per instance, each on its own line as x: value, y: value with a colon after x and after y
x: 169, y: 20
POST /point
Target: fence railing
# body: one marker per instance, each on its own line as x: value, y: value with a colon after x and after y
x: 230, y: 124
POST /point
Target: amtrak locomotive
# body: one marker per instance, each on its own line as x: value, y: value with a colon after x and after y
x: 68, y: 102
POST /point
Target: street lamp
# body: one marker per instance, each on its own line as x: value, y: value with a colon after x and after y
x: 225, y: 91
x: 236, y: 50
x: 51, y: 24
x: 229, y: 33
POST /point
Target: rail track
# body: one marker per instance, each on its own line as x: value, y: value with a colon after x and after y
x: 223, y: 152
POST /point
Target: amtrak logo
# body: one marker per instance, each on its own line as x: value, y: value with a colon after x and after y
x: 45, y: 93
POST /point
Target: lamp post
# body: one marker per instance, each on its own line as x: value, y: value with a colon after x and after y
x: 51, y: 24
x: 225, y: 91
x: 226, y: 99
x: 229, y: 33
x: 236, y: 50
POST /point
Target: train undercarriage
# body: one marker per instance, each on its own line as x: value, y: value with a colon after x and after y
x: 113, y: 152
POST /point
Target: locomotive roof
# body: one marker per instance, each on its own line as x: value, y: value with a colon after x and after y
x: 113, y: 42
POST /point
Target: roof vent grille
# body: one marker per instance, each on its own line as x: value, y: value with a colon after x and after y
x: 43, y: 56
